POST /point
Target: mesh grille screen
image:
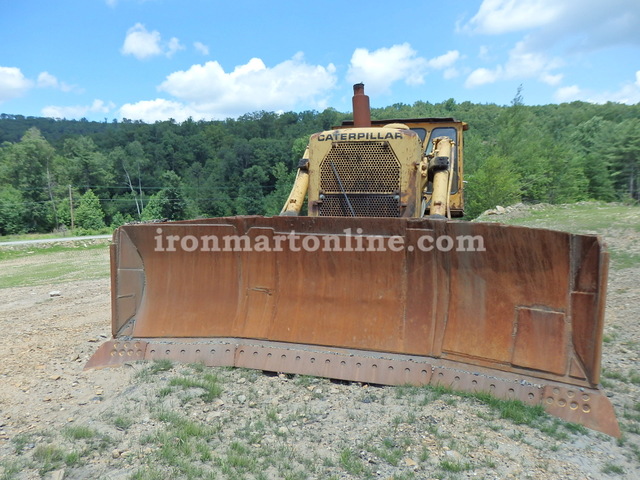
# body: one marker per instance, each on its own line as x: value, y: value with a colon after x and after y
x: 370, y: 175
x: 365, y: 167
x: 363, y: 206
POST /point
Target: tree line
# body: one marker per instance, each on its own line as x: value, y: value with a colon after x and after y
x: 59, y: 174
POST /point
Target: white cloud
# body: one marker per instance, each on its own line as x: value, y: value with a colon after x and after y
x: 157, y: 110
x: 482, y: 76
x: 628, y: 93
x: 383, y: 67
x: 201, y: 47
x: 144, y: 44
x: 46, y: 80
x: 207, y: 91
x: 13, y: 83
x: 173, y: 46
x: 558, y: 33
x: 379, y: 69
x: 77, y: 111
x: 501, y: 16
x: 520, y: 64
x: 444, y: 61
x: 568, y: 94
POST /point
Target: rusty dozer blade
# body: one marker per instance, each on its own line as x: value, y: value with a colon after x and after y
x: 510, y: 310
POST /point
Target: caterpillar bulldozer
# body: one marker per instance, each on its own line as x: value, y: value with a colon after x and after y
x: 377, y: 282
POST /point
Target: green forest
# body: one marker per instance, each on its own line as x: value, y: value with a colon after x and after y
x: 104, y: 174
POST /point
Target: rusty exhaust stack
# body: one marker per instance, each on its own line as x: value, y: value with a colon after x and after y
x: 361, y: 109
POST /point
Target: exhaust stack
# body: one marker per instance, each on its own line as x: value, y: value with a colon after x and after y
x: 361, y: 109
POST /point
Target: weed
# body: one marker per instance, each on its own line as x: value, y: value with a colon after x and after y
x: 305, y: 380
x: 78, y: 432
x: 20, y: 442
x: 610, y: 468
x: 207, y: 382
x: 51, y: 458
x: 455, y: 466
x: 351, y: 462
x: 157, y: 366
x: 122, y: 423
x: 10, y: 469
x: 149, y: 473
x: 272, y: 414
x: 388, y: 451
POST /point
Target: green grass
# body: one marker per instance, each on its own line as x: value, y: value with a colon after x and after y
x: 21, y: 251
x: 577, y: 217
x: 612, y: 469
x: 53, y: 264
x: 50, y: 457
x: 153, y: 368
x: 352, y: 463
x: 208, y: 382
x: 79, y: 432
x: 78, y: 232
x: 454, y: 466
x: 10, y: 469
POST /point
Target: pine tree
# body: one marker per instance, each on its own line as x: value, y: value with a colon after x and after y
x: 89, y: 214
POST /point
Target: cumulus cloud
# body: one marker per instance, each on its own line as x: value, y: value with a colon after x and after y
x: 144, y: 44
x: 46, y: 80
x: 201, y: 47
x: 77, y: 111
x: 13, y: 83
x: 568, y: 94
x: 173, y: 46
x: 157, y: 110
x: 208, y: 91
x: 628, y: 93
x: 554, y: 32
x: 379, y: 69
x: 444, y: 61
x: 502, y: 16
x: 521, y: 63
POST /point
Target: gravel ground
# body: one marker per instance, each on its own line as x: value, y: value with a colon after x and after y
x: 158, y: 420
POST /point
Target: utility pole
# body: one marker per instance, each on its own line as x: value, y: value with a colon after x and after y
x: 71, y: 208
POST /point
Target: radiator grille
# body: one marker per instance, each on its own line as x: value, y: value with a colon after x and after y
x: 364, y: 167
x: 364, y: 205
x: 370, y: 176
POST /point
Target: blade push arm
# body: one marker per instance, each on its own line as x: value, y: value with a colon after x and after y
x: 293, y: 205
x: 439, y: 171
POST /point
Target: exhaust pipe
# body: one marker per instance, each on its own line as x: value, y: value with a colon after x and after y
x: 361, y: 108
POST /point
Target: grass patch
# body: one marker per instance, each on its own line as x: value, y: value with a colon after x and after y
x: 122, y: 423
x: 351, y: 463
x: 454, y: 466
x: 208, y: 382
x: 51, y: 458
x: 79, y: 432
x: 10, y: 469
x: 155, y: 367
x: 612, y: 469
x: 621, y: 260
x: 20, y: 251
x: 53, y: 264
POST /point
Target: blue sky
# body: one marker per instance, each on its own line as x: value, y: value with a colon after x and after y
x: 158, y: 59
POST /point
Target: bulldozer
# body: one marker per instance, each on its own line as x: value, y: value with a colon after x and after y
x: 369, y: 275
